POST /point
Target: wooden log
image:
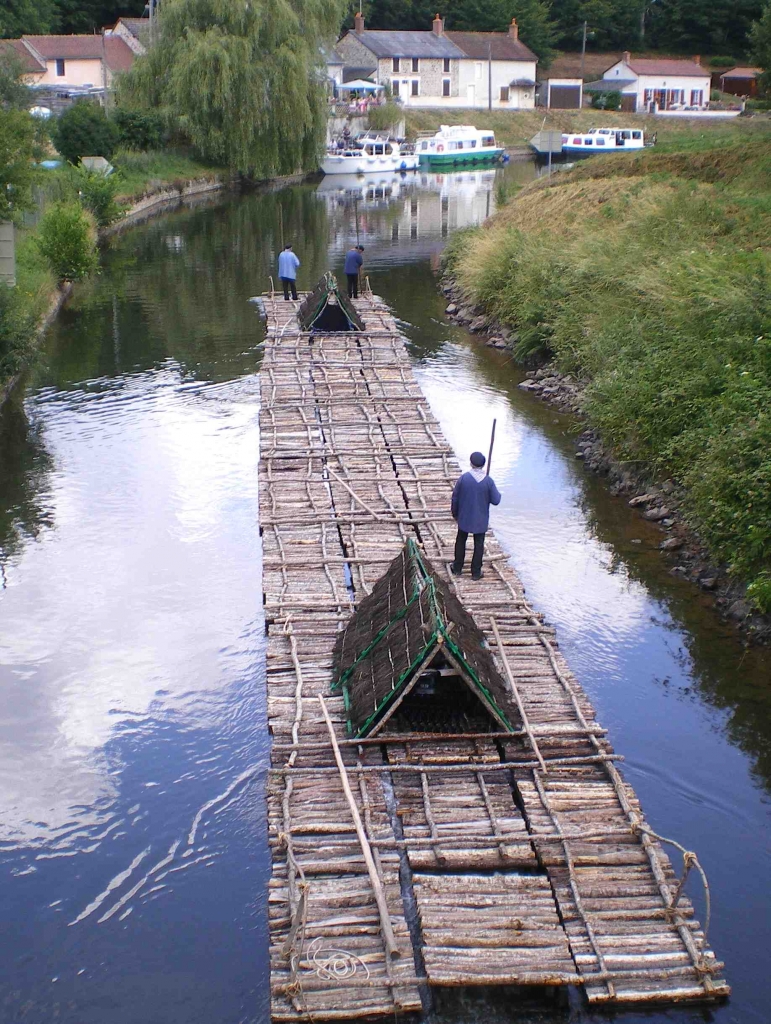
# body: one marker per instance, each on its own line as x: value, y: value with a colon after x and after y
x: 385, y: 917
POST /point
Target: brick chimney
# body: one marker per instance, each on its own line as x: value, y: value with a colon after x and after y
x: 358, y: 22
x: 438, y: 26
x: 514, y: 29
x: 626, y: 56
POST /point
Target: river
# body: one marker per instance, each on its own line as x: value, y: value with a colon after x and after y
x: 133, y: 854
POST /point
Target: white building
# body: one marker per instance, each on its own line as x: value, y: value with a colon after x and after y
x: 643, y: 82
x: 444, y: 69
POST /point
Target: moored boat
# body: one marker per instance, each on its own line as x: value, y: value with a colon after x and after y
x: 458, y: 144
x: 367, y: 154
x: 605, y: 140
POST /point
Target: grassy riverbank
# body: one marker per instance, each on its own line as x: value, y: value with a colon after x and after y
x: 515, y: 128
x: 141, y: 173
x: 649, y: 277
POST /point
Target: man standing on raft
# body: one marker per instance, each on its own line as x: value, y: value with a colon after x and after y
x: 287, y: 271
x: 472, y: 497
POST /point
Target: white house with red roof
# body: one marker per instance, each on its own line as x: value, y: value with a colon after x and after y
x: 668, y: 83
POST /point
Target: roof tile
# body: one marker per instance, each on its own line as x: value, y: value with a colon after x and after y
x: 673, y: 68
x: 408, y: 44
x: 502, y: 46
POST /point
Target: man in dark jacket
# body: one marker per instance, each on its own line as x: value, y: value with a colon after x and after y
x: 472, y: 497
x: 353, y: 262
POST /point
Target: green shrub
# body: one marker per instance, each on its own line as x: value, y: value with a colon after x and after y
x: 722, y: 62
x: 610, y: 100
x: 97, y: 193
x: 138, y: 130
x: 759, y: 592
x: 715, y: 95
x: 66, y: 242
x: 756, y: 104
x: 384, y: 118
x: 17, y: 331
x: 84, y: 130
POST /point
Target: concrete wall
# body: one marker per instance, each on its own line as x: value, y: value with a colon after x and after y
x: 7, y: 253
x: 474, y: 83
x: 76, y: 72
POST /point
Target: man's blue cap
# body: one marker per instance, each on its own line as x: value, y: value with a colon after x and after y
x: 477, y: 459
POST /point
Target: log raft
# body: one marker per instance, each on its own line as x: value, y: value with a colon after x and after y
x: 518, y: 858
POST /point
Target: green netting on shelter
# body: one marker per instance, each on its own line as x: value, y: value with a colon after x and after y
x: 396, y: 632
x: 327, y: 309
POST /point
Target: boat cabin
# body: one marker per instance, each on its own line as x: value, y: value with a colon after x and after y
x: 411, y: 659
x: 605, y: 139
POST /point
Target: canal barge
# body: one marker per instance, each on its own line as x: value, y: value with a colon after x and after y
x: 444, y: 808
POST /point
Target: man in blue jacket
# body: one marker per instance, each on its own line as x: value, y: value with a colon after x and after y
x: 287, y: 271
x: 472, y: 497
x: 353, y: 262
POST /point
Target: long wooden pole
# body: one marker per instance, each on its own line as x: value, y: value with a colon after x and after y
x: 385, y: 918
x: 490, y: 453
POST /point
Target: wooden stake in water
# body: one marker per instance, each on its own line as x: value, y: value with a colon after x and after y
x: 490, y: 453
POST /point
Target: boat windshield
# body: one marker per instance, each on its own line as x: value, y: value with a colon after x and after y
x: 488, y: 140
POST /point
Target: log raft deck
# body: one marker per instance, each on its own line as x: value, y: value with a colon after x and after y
x: 405, y: 862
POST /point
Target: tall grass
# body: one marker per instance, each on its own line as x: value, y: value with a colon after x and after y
x: 652, y: 280
x: 143, y: 170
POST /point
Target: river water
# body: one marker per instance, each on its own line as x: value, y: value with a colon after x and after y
x: 133, y: 855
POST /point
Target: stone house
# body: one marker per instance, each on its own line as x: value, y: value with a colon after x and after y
x: 444, y: 69
x: 666, y: 83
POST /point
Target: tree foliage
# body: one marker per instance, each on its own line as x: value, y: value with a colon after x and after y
x: 677, y: 26
x: 84, y: 130
x: 760, y: 39
x: 33, y: 17
x: 245, y: 80
x: 692, y: 26
x: 536, y: 28
x: 13, y: 90
x: 17, y: 147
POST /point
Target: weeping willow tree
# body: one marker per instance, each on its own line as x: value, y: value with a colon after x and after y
x: 243, y: 78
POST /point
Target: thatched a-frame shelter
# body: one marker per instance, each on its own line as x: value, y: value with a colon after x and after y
x: 327, y: 309
x: 412, y: 651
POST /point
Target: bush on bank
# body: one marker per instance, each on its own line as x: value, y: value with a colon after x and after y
x: 17, y: 331
x: 66, y: 241
x: 651, y: 279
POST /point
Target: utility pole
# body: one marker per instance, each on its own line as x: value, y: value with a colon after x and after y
x: 583, y: 53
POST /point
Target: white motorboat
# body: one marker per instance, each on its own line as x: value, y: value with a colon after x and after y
x: 367, y: 154
x: 604, y: 140
x: 457, y: 144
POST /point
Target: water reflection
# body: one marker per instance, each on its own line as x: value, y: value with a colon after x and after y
x: 407, y: 218
x: 132, y: 739
x: 25, y: 467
